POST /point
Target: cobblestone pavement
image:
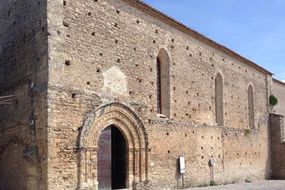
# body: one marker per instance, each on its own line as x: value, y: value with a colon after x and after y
x: 262, y: 185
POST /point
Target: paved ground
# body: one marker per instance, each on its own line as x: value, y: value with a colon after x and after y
x: 263, y: 185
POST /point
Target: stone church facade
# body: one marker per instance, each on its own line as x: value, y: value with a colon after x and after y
x: 110, y: 93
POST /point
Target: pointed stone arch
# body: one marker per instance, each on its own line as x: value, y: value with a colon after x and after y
x: 128, y: 122
x: 163, y: 83
x: 219, y: 98
x: 250, y: 94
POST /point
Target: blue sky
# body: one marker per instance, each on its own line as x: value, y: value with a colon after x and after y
x: 253, y: 28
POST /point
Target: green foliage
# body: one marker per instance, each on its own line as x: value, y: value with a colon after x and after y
x: 213, y: 183
x: 247, y: 132
x: 247, y: 181
x: 273, y: 100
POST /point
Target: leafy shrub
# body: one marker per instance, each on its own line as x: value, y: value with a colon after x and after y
x: 273, y: 100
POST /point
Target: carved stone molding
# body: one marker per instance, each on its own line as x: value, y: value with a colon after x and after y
x: 131, y: 126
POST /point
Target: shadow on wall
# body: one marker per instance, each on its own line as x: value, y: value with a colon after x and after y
x: 23, y: 56
x: 277, y: 146
x: 23, y: 62
x: 268, y: 165
x: 17, y: 168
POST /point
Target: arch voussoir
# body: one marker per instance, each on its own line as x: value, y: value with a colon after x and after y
x: 132, y: 128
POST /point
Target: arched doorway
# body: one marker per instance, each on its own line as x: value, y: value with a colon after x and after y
x: 112, y: 159
x: 129, y: 135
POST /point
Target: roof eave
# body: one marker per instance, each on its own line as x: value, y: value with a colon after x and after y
x: 178, y: 25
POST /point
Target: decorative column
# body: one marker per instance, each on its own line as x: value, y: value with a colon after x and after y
x: 143, y: 161
x: 81, y: 168
x: 137, y: 163
x: 92, y: 168
x: 131, y: 167
x: 87, y: 170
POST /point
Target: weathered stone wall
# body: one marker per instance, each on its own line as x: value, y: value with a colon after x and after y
x: 103, y: 51
x: 277, y: 146
x: 106, y: 50
x: 125, y: 46
x: 23, y: 67
x: 239, y: 156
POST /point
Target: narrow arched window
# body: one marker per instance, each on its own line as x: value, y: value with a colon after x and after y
x: 163, y: 83
x: 251, y: 107
x: 219, y: 99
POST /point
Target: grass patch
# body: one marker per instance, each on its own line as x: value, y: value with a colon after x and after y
x: 247, y: 132
x: 247, y: 181
x: 213, y: 183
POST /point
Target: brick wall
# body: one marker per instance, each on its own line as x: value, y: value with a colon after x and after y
x: 107, y: 50
x: 23, y: 67
x: 277, y: 146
